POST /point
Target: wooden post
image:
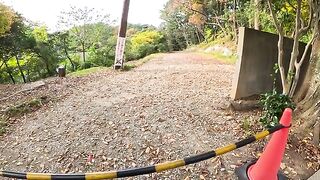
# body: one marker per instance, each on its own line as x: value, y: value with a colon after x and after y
x: 119, y: 59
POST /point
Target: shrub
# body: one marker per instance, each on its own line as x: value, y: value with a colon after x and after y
x: 145, y: 43
x: 86, y: 65
x: 274, y: 104
x: 128, y: 67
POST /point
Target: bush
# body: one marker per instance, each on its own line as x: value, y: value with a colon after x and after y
x: 274, y: 104
x: 86, y: 65
x: 145, y: 43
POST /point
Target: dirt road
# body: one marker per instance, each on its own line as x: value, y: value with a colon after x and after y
x: 169, y: 108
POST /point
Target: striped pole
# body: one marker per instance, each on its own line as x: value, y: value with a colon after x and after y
x: 144, y: 170
x: 121, y: 42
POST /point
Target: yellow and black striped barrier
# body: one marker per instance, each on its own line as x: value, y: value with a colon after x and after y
x: 143, y: 170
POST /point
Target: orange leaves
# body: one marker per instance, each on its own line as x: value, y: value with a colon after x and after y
x: 197, y: 18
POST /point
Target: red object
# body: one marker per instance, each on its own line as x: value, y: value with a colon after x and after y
x: 268, y: 165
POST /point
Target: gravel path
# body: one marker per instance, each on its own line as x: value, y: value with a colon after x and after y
x: 169, y: 108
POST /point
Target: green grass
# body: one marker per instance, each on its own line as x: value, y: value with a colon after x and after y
x: 133, y: 64
x: 86, y: 72
x: 128, y: 67
x: 220, y: 57
x: 25, y: 107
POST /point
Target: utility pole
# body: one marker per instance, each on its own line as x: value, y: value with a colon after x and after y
x: 119, y: 59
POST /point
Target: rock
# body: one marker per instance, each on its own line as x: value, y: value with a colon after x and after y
x: 232, y: 166
x: 229, y: 118
x: 243, y: 105
x: 161, y: 120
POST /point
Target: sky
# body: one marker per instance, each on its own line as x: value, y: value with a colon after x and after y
x: 47, y: 11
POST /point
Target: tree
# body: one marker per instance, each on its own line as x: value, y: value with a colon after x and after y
x: 15, y: 43
x: 62, y: 41
x: 179, y: 31
x: 302, y: 26
x: 6, y: 18
x: 147, y: 42
x: 79, y: 20
x: 104, y: 39
x: 257, y: 14
x: 309, y: 96
x: 45, y: 49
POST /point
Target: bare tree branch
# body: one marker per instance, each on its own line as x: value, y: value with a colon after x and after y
x: 305, y: 29
x: 315, y: 35
x: 284, y: 83
x: 275, y: 20
x: 299, y: 64
x: 295, y: 48
x: 199, y: 12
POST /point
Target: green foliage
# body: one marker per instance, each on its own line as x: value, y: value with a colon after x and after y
x: 6, y: 18
x: 127, y: 67
x: 87, y: 39
x: 86, y: 65
x: 246, y: 15
x: 145, y: 43
x: 220, y: 57
x: 274, y: 104
x: 40, y: 34
x: 86, y: 72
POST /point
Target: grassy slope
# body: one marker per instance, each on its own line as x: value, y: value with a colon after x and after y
x: 86, y: 72
x: 218, y: 55
x: 128, y: 66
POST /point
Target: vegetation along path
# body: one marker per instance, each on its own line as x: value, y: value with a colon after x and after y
x: 169, y: 108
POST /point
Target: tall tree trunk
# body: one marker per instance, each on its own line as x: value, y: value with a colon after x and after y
x: 235, y: 26
x: 299, y: 64
x: 28, y: 75
x: 285, y: 88
x: 295, y: 47
x: 284, y: 82
x: 169, y: 40
x: 49, y: 73
x: 185, y: 35
x: 21, y: 71
x: 257, y: 14
x: 309, y: 107
x: 67, y: 54
x: 69, y: 58
x: 83, y: 52
x: 48, y: 69
x: 198, y: 37
x: 9, y: 72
